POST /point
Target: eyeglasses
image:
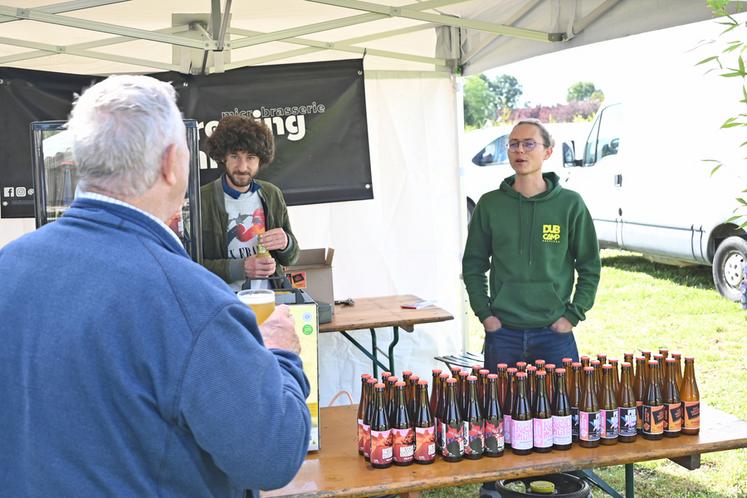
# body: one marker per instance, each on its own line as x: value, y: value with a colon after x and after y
x: 528, y: 145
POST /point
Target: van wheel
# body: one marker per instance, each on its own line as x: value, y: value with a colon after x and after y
x: 728, y: 267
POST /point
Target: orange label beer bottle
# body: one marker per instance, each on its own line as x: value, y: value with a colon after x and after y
x: 672, y: 403
x: 690, y: 399
x: 639, y: 388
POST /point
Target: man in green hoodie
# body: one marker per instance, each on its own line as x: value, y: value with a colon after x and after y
x: 531, y: 234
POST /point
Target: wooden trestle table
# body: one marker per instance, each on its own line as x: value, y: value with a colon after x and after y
x: 337, y: 469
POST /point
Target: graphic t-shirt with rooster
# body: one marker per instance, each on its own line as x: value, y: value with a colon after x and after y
x: 246, y: 220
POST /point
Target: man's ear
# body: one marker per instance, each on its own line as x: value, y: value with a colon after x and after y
x: 548, y: 153
x: 169, y: 163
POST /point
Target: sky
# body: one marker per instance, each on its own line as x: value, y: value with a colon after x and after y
x: 546, y: 79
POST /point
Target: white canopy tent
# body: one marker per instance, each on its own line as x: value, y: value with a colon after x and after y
x: 409, y: 238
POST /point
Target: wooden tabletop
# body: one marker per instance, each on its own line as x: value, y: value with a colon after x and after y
x: 338, y: 470
x: 387, y: 311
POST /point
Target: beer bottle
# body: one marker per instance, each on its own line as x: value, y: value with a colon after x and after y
x: 453, y: 442
x: 474, y: 444
x: 628, y: 358
x: 425, y: 430
x: 521, y: 366
x: 540, y: 364
x: 561, y: 414
x: 493, y: 431
x: 411, y: 393
x: 602, y: 358
x: 589, y: 419
x: 403, y: 432
x: 367, y: 417
x: 508, y: 406
x: 608, y: 408
x: 439, y: 414
x: 597, y: 377
x: 653, y: 407
x: 391, y: 381
x: 567, y: 362
x: 521, y: 419
x: 384, y: 380
x: 532, y: 383
x: 435, y: 390
x: 575, y: 397
x: 615, y: 377
x: 502, y: 372
x: 672, y: 402
x: 661, y: 371
x: 381, y: 433
x: 639, y: 388
x: 462, y: 389
x: 585, y: 361
x: 542, y: 421
x: 550, y: 379
x: 482, y: 387
x: 627, y: 406
x: 678, y: 370
x: 361, y: 411
x: 690, y: 399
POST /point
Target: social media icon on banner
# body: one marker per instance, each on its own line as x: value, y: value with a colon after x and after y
x: 20, y: 191
x: 8, y: 191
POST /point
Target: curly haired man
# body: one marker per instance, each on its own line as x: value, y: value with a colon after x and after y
x: 239, y: 211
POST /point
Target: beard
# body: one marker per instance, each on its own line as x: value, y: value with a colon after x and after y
x: 240, y: 181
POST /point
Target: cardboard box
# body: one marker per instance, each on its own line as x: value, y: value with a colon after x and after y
x: 313, y: 273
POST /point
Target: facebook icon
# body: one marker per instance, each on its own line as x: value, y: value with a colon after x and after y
x: 8, y: 191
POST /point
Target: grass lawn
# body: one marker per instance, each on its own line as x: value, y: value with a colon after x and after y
x: 642, y: 305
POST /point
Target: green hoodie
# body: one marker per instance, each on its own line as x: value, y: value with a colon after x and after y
x: 531, y: 246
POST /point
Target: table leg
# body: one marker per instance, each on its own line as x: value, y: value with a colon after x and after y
x: 374, y: 351
x: 629, y: 489
x: 395, y: 340
x: 374, y: 359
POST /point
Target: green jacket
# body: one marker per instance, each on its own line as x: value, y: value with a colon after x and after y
x: 532, y: 246
x: 215, y: 221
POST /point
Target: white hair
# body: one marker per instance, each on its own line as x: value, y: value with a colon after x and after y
x: 121, y: 128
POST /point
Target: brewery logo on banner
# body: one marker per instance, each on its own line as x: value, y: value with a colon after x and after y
x: 19, y: 193
x: 289, y: 121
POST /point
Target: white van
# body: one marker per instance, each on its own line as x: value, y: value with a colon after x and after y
x: 485, y: 157
x: 645, y: 175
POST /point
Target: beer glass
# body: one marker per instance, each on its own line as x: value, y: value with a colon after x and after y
x: 261, y: 301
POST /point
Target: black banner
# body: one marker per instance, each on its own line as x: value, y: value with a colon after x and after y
x: 317, y: 112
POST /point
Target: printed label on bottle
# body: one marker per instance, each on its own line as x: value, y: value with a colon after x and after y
x: 453, y: 440
x: 562, y: 430
x: 589, y: 425
x: 653, y: 419
x: 493, y: 434
x: 474, y: 444
x: 366, y: 440
x: 628, y: 418
x: 574, y: 421
x: 381, y: 447
x: 691, y: 415
x: 639, y: 409
x: 543, y: 436
x: 361, y: 438
x: 403, y: 445
x: 425, y: 443
x: 507, y: 426
x: 610, y: 427
x: 673, y: 417
x: 522, y: 434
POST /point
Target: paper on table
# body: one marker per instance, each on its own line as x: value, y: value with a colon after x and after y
x: 416, y: 305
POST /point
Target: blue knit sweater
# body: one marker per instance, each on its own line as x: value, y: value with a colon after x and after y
x: 128, y: 370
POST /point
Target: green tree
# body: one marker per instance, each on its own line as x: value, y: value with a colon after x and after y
x: 731, y: 65
x: 584, y: 90
x: 479, y: 102
x: 507, y: 91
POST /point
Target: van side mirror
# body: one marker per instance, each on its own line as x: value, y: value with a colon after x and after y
x: 569, y: 155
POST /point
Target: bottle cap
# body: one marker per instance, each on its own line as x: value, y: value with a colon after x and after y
x: 422, y: 382
x: 366, y: 376
x: 576, y: 364
x: 414, y: 378
x: 625, y: 364
x: 584, y: 357
x: 392, y: 379
x: 444, y: 375
x: 588, y: 369
x: 511, y: 370
x: 372, y: 380
x: 606, y: 367
x: 386, y: 374
x: 379, y: 385
x: 549, y: 366
x: 596, y: 362
x: 406, y: 373
x: 613, y: 361
x: 484, y: 371
x: 502, y: 365
x: 451, y: 380
x: 653, y: 362
x: 566, y: 360
x: 492, y: 376
x: 436, y: 371
x: 400, y: 384
x: 531, y: 368
x: 542, y: 487
x: 471, y: 378
x: 559, y: 371
x: 541, y: 373
x: 521, y: 364
x: 464, y: 373
x: 476, y: 367
x: 521, y: 375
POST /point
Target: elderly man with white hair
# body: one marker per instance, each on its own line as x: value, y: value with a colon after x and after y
x: 126, y: 369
